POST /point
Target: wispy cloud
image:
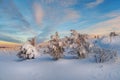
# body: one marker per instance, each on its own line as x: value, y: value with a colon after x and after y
x: 48, y: 1
x: 12, y: 15
x: 112, y: 14
x: 56, y: 13
x: 21, y: 17
x: 63, y: 3
x: 7, y: 37
x: 67, y: 3
x: 72, y: 15
x: 94, y: 3
x: 38, y: 12
x: 105, y: 26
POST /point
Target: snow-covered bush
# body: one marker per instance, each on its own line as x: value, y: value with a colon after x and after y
x: 78, y: 44
x: 80, y: 51
x: 27, y: 51
x: 104, y: 55
x: 55, y: 47
x: 113, y: 34
x: 55, y: 52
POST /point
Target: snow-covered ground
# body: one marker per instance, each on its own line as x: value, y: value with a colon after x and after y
x: 68, y: 68
x: 44, y: 68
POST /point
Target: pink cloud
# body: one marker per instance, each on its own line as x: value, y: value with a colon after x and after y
x: 112, y: 14
x: 105, y: 26
x: 69, y: 16
x: 72, y: 15
x: 38, y: 13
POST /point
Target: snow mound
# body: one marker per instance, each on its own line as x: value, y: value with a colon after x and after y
x: 109, y: 42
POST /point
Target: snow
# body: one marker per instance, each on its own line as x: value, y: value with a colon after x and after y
x: 112, y: 43
x: 44, y: 68
x: 67, y: 68
x: 27, y: 51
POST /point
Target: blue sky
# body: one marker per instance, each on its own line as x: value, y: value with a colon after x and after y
x: 22, y: 19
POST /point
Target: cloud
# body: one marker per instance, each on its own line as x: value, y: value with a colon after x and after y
x: 94, y: 4
x: 67, y: 3
x: 48, y: 1
x: 63, y: 3
x: 72, y: 15
x: 38, y: 12
x: 112, y: 14
x: 105, y: 26
x: 6, y: 37
x: 56, y: 13
x: 11, y: 16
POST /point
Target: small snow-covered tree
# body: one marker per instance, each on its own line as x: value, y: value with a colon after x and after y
x: 113, y: 34
x: 55, y: 48
x: 28, y: 50
x: 78, y: 44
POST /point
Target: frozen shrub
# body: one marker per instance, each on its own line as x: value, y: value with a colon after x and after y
x: 104, y: 55
x: 28, y: 50
x: 55, y: 48
x: 80, y: 51
x: 56, y: 52
x: 113, y: 34
x: 78, y: 44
